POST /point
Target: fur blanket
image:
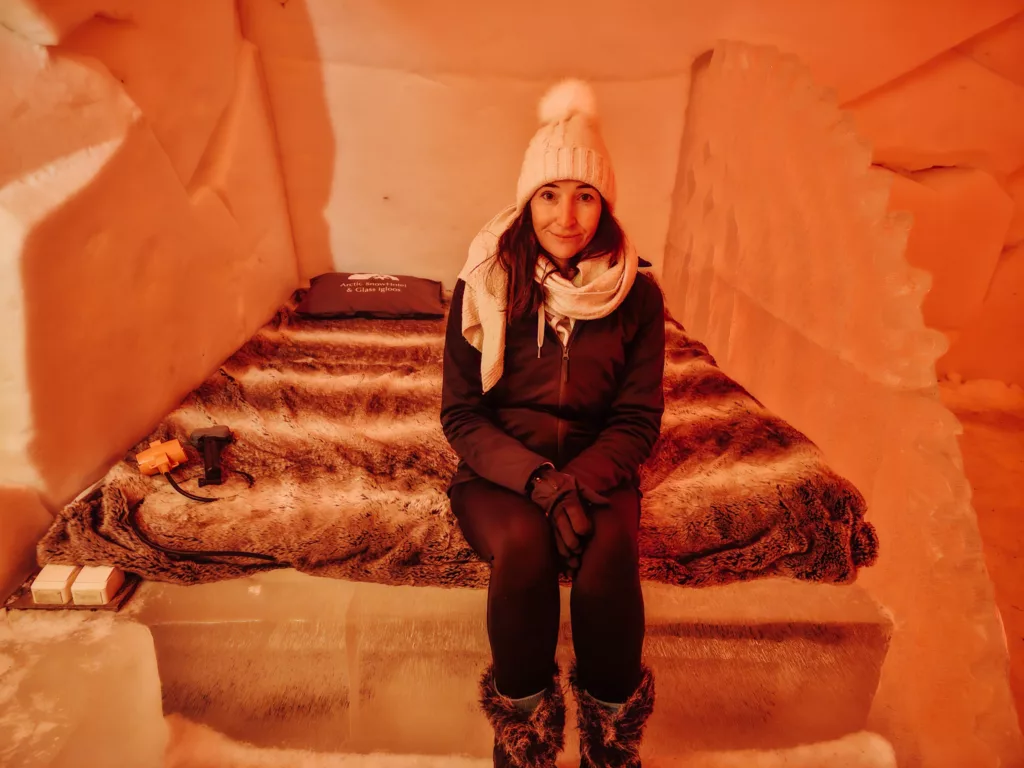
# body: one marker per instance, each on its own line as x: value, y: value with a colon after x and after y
x: 337, y: 421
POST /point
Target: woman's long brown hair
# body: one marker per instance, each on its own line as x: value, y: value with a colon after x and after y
x: 518, y: 251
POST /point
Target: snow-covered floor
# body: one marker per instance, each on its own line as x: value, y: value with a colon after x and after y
x: 992, y: 445
x: 196, y: 746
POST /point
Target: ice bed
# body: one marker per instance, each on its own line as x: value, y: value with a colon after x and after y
x: 336, y: 421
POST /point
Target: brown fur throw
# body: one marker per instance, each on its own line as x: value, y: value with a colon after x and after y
x: 338, y: 422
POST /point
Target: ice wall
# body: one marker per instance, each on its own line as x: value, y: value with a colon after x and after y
x: 393, y: 165
x: 143, y: 230
x: 402, y: 125
x: 810, y: 302
x: 951, y: 134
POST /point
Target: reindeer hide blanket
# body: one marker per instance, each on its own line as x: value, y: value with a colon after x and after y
x: 337, y: 422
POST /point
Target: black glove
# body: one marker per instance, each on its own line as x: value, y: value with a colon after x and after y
x: 564, y: 500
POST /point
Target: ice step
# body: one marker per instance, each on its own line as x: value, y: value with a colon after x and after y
x: 288, y: 660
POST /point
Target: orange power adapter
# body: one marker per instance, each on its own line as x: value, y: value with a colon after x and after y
x: 161, y: 457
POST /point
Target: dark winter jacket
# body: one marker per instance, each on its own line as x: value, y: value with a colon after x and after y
x: 593, y: 409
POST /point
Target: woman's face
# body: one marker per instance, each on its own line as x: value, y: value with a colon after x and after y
x: 565, y: 217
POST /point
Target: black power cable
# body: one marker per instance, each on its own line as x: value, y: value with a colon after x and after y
x: 188, y: 495
x: 199, y: 556
x: 185, y: 493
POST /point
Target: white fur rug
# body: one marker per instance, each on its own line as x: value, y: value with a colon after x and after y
x: 196, y: 746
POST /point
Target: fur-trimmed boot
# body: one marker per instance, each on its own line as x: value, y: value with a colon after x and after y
x: 524, y: 739
x: 610, y: 738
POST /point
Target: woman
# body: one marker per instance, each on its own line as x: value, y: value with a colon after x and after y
x: 552, y: 399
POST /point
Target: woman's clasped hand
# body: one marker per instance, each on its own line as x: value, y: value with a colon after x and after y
x: 565, y: 501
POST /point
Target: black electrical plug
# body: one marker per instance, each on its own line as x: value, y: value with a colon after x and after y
x: 210, y: 441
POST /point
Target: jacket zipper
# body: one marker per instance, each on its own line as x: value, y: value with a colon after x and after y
x: 563, y: 380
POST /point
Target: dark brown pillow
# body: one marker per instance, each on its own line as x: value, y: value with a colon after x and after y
x: 362, y: 294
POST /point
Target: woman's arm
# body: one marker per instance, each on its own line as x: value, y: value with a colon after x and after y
x: 634, y: 420
x: 468, y: 423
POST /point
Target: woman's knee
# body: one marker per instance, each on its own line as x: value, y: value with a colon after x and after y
x: 504, y: 528
x: 611, y: 560
x: 603, y: 578
x: 525, y: 549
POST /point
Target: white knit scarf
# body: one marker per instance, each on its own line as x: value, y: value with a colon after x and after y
x: 483, y: 303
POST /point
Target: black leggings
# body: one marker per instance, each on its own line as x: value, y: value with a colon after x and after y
x: 513, y: 535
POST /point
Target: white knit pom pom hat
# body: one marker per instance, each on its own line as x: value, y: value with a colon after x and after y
x: 568, y: 146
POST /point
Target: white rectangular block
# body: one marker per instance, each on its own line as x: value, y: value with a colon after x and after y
x: 85, y: 691
x: 53, y: 584
x: 96, y: 585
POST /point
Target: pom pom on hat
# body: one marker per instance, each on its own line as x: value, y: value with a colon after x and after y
x: 567, y: 98
x: 568, y: 145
